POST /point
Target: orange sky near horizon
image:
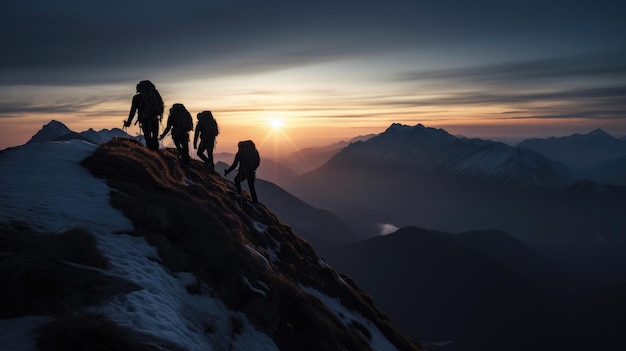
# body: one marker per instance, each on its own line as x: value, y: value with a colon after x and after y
x: 308, y: 129
x: 318, y: 105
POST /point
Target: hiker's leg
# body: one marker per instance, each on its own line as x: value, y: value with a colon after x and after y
x: 250, y: 178
x: 178, y: 144
x: 145, y: 128
x: 184, y: 147
x: 210, y: 162
x: 200, y: 152
x: 238, y: 179
x: 150, y: 131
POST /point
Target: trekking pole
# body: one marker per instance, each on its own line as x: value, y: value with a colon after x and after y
x: 126, y: 131
x: 140, y: 131
x: 158, y: 125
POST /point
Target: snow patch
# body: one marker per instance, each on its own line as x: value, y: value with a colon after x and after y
x: 386, y: 228
x: 259, y: 227
x: 378, y: 341
x: 255, y: 252
x: 252, y: 288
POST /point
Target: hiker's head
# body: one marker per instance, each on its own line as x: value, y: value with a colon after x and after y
x: 207, y: 115
x: 145, y: 85
x: 240, y: 145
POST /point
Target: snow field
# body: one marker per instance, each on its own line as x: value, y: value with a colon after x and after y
x: 44, y: 185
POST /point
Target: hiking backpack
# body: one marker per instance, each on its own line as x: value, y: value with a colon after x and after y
x: 182, y: 118
x: 207, y: 124
x: 250, y: 155
x: 152, y: 101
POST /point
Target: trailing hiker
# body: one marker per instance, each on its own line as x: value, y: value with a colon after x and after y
x: 149, y: 105
x: 180, y: 122
x: 207, y: 130
x: 248, y: 159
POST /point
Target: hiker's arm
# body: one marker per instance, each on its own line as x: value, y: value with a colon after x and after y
x: 167, y: 129
x: 133, y: 110
x: 234, y: 165
x: 195, y: 137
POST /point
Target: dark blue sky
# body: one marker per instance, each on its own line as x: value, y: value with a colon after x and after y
x: 445, y: 63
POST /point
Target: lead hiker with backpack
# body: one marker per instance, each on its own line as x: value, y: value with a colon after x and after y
x: 248, y: 159
x: 149, y: 105
x: 207, y: 130
x: 180, y: 122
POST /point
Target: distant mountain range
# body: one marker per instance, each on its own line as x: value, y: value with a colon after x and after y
x: 307, y: 159
x: 426, y: 177
x: 596, y: 156
x: 56, y: 130
x: 424, y: 150
x: 579, y: 151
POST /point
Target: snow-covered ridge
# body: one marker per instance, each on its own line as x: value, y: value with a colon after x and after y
x: 53, y: 193
x: 213, y: 276
x: 425, y: 149
x: 56, y: 130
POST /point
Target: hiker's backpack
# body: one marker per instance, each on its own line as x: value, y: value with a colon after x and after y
x: 207, y: 124
x: 152, y: 101
x: 250, y: 155
x: 182, y: 118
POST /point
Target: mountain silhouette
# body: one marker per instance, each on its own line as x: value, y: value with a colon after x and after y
x: 611, y: 172
x: 319, y: 227
x: 55, y: 130
x: 482, y: 290
x: 461, y: 294
x: 427, y: 150
x: 50, y: 131
x: 429, y: 178
x: 307, y: 159
x: 239, y: 278
x: 579, y: 151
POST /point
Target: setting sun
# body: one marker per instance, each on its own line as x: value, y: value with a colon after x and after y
x: 276, y: 123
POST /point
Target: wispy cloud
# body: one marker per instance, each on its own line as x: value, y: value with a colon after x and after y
x: 564, y: 69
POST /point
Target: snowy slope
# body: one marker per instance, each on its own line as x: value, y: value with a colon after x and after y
x: 52, y: 192
x: 44, y: 185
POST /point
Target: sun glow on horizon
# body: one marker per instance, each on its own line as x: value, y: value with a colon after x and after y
x: 276, y: 122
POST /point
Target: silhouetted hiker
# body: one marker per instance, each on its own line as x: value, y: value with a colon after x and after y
x: 181, y: 123
x: 149, y: 105
x: 248, y: 159
x: 207, y: 130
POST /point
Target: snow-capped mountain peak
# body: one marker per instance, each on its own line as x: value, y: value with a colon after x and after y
x: 50, y: 131
x: 56, y: 130
x: 423, y: 149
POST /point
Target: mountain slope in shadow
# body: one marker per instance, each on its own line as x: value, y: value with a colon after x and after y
x: 482, y: 290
